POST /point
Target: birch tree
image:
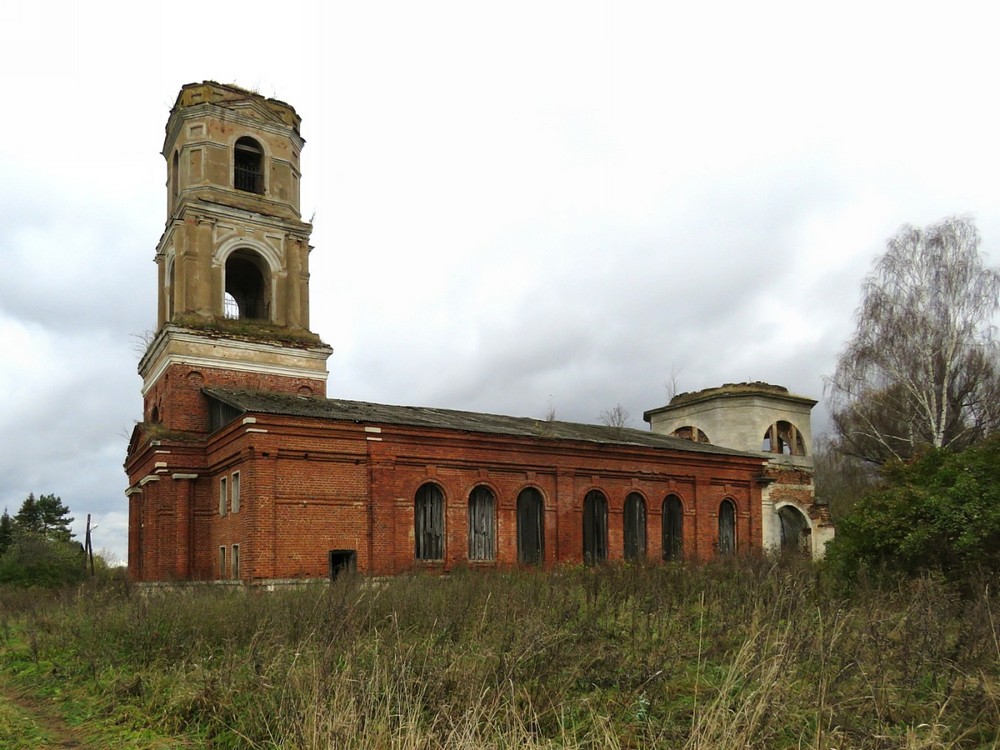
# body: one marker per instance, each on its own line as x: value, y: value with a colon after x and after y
x: 922, y: 366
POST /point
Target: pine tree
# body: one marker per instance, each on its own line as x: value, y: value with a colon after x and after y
x: 29, y: 518
x: 45, y: 516
x: 55, y: 518
x: 6, y: 531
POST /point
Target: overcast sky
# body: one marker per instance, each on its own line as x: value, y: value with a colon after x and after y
x: 517, y: 206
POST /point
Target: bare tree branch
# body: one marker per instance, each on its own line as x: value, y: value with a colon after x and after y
x: 616, y: 416
x: 922, y: 366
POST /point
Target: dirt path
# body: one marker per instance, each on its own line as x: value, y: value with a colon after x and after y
x: 58, y: 735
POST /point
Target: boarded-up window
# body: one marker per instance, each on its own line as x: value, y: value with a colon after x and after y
x: 595, y: 527
x: 236, y: 492
x: 221, y: 414
x: 530, y: 527
x: 428, y: 521
x: 727, y: 528
x: 223, y: 495
x: 673, y: 528
x: 634, y: 524
x: 482, y: 538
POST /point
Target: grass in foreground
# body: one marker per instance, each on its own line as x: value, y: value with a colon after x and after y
x: 747, y: 654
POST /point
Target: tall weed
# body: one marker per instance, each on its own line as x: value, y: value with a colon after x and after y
x: 748, y: 653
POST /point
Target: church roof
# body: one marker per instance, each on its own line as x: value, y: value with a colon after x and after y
x: 363, y: 412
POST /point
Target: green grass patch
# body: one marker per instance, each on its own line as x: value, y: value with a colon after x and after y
x: 19, y: 729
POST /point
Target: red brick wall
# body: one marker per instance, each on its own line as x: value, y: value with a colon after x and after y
x: 310, y: 486
x: 791, y: 485
x: 179, y: 404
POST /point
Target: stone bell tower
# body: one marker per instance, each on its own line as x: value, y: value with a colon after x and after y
x: 233, y: 260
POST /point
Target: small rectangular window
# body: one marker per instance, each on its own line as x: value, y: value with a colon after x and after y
x: 236, y: 492
x: 236, y: 561
x: 223, y: 495
x: 222, y: 562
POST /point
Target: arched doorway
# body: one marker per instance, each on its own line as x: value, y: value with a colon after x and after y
x: 796, y: 534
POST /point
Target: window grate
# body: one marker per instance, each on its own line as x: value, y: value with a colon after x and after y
x: 249, y: 178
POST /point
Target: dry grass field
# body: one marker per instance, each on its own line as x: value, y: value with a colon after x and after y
x: 750, y: 653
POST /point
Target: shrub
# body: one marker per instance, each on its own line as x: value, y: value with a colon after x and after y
x: 939, y: 513
x: 33, y: 560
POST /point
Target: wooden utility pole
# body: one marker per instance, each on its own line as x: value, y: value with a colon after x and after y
x: 88, y: 550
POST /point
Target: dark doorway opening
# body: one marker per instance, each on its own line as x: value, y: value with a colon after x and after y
x: 342, y: 561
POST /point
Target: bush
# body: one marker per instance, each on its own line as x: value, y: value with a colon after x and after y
x: 939, y: 513
x: 33, y: 560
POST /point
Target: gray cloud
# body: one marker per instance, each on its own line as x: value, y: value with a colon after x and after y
x: 565, y: 226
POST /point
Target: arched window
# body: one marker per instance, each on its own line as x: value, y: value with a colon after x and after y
x: 171, y: 289
x: 693, y: 434
x: 783, y: 437
x: 634, y: 526
x: 530, y: 527
x: 673, y: 528
x: 248, y: 166
x: 428, y: 523
x: 595, y: 527
x: 795, y: 531
x: 727, y: 528
x: 482, y: 538
x: 247, y: 294
x: 175, y: 174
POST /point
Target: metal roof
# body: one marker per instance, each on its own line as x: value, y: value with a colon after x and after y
x: 362, y: 412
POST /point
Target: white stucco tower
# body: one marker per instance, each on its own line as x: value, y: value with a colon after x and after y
x: 767, y: 419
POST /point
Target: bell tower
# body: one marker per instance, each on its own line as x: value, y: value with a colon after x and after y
x: 233, y: 260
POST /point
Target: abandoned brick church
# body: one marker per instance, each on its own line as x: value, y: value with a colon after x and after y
x: 242, y: 469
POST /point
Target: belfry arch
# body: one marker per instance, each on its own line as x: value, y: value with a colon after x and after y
x: 784, y: 438
x: 248, y: 283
